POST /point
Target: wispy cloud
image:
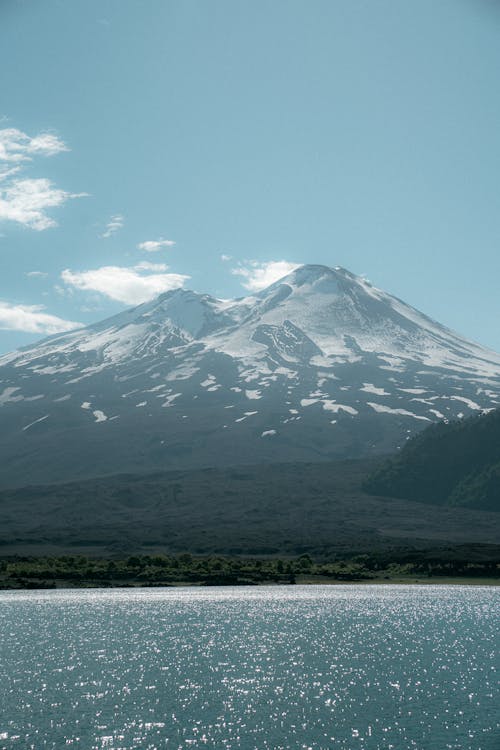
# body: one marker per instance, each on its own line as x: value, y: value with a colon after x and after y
x: 25, y: 200
x: 146, y: 265
x: 37, y: 274
x: 225, y: 258
x: 115, y: 223
x: 32, y: 319
x: 258, y: 275
x: 16, y: 146
x: 152, y: 246
x: 6, y: 172
x: 130, y: 285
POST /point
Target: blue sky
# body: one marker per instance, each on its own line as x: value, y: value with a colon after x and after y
x: 240, y: 134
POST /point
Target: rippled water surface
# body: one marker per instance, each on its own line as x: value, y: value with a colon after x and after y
x: 373, y: 667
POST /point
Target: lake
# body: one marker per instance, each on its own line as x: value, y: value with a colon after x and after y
x: 306, y: 667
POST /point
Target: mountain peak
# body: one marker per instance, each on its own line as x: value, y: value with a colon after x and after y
x: 310, y: 273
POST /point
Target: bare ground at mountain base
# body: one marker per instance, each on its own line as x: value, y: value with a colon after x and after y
x: 279, y: 509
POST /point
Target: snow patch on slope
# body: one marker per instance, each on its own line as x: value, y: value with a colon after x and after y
x: 381, y: 409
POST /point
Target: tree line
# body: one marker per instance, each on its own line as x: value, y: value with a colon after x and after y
x: 166, y: 570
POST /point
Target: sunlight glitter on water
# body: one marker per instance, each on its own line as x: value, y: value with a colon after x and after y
x: 319, y: 667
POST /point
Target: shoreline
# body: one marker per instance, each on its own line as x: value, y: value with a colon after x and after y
x: 59, y: 585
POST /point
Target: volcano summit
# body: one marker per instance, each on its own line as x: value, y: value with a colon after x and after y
x: 319, y: 365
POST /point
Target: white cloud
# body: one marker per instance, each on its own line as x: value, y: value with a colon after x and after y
x: 152, y: 246
x: 16, y: 146
x: 37, y: 274
x: 259, y: 275
x: 32, y: 319
x: 114, y: 224
x: 25, y: 200
x: 225, y: 257
x: 131, y: 285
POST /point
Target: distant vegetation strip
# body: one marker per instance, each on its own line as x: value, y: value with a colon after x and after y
x: 164, y: 570
x: 455, y: 464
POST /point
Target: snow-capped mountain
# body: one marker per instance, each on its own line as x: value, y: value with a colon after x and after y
x: 321, y: 364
